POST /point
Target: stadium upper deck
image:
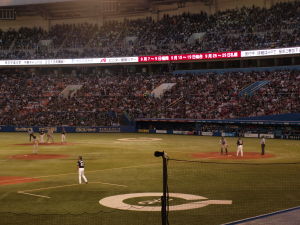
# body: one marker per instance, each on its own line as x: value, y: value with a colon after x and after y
x: 230, y: 30
x: 34, y: 97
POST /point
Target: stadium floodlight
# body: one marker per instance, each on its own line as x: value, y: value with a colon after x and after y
x: 159, y: 154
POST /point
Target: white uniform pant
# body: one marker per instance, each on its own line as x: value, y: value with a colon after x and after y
x: 81, y: 175
x: 35, y: 148
x: 63, y: 138
x: 240, y: 150
x: 50, y: 137
x: 42, y: 138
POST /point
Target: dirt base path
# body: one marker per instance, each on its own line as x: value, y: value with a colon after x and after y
x: 5, y: 180
x: 38, y: 156
x: 55, y: 143
x: 231, y: 155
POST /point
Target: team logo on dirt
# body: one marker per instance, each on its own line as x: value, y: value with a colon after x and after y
x: 150, y: 202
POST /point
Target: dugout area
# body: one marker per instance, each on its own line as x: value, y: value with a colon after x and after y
x: 127, y: 170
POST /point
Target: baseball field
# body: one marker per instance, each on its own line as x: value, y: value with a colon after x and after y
x: 125, y: 180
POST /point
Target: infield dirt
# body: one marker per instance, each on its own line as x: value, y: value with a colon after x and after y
x: 5, y: 180
x: 231, y: 155
x: 38, y: 156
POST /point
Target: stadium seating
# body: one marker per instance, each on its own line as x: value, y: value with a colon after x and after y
x: 35, y: 99
x: 238, y: 29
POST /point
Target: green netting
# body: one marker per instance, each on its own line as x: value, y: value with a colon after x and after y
x: 254, y: 189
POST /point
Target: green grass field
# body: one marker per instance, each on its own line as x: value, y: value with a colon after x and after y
x: 116, y: 167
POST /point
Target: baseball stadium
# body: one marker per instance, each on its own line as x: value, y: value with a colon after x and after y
x: 145, y: 112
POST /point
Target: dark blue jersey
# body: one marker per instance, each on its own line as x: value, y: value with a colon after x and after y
x: 80, y: 164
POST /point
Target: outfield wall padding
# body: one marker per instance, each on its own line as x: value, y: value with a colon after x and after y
x: 71, y: 129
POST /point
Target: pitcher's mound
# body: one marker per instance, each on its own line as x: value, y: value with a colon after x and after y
x: 38, y: 156
x: 231, y: 155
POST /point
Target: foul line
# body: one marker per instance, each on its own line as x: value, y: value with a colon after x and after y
x: 69, y: 185
x: 26, y: 192
x: 262, y: 216
x: 92, y: 171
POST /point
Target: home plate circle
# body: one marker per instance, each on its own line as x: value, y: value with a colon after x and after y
x: 193, y: 202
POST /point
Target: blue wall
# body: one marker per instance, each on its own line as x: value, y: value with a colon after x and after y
x: 115, y: 129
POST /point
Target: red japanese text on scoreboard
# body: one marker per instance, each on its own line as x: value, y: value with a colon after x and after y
x: 196, y: 56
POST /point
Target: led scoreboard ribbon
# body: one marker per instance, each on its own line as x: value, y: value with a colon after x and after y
x: 155, y: 58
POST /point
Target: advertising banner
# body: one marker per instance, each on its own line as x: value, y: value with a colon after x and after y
x: 143, y: 131
x: 185, y: 57
x: 271, y: 52
x: 154, y: 58
x: 69, y: 129
x: 82, y: 61
x: 228, y: 134
x: 250, y: 135
x: 266, y: 135
x: 178, y: 132
x: 161, y: 131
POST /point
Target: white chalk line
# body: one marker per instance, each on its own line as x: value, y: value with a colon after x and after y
x: 69, y: 185
x: 26, y: 192
x: 92, y: 171
x: 119, y: 185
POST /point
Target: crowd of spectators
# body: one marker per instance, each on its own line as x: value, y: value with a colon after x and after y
x: 236, y: 29
x: 35, y: 97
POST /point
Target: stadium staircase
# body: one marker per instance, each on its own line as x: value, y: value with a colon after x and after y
x: 161, y: 89
x: 90, y: 41
x: 66, y: 39
x: 126, y: 119
x: 70, y: 91
x: 196, y: 37
x: 12, y: 45
x: 249, y: 90
x: 175, y: 102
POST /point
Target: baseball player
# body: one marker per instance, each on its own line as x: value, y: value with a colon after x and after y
x: 42, y: 135
x: 50, y: 135
x: 35, y: 145
x: 263, y: 145
x: 80, y: 165
x: 224, y: 146
x: 239, y: 144
x: 30, y: 133
x: 63, y: 135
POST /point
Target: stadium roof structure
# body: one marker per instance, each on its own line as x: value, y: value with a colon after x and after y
x: 56, y: 9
